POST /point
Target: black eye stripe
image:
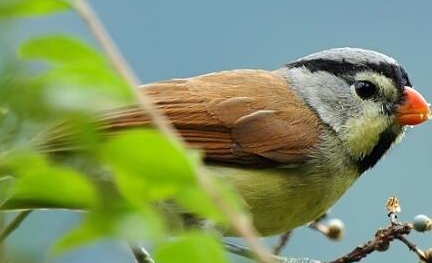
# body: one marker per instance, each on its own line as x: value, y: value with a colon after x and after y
x: 346, y: 70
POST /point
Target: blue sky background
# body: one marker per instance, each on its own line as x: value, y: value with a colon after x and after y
x: 166, y: 39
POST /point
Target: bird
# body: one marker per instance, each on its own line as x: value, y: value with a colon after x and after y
x: 291, y: 141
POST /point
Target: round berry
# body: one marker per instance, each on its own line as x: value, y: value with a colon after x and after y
x: 422, y: 223
x: 336, y: 229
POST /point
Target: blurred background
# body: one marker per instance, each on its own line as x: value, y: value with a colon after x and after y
x: 171, y: 39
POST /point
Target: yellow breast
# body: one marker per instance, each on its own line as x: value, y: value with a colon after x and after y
x: 283, y: 199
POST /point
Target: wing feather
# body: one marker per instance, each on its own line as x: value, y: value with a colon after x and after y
x: 246, y: 117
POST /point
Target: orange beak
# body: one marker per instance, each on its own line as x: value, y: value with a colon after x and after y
x: 414, y: 110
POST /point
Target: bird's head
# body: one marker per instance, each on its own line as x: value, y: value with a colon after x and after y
x: 365, y: 97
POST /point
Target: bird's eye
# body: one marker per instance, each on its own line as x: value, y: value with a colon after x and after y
x: 365, y: 89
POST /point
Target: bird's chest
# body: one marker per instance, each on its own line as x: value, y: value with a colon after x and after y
x: 282, y: 199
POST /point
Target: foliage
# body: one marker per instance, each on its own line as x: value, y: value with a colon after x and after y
x: 190, y: 247
x: 17, y: 8
x: 124, y: 183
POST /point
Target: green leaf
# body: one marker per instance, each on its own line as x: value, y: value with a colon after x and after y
x: 84, y: 234
x: 85, y: 87
x: 85, y: 75
x: 17, y: 8
x: 81, y: 78
x: 196, y: 200
x: 21, y: 96
x: 147, y: 166
x: 6, y: 184
x: 60, y: 49
x: 39, y: 184
x: 114, y: 221
x: 229, y: 195
x: 191, y: 248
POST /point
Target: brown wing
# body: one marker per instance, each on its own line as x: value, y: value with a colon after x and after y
x: 243, y: 116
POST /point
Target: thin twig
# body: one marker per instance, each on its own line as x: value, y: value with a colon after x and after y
x: 141, y: 255
x: 318, y: 226
x: 383, y: 237
x: 241, y: 224
x: 238, y: 250
x: 14, y: 224
x: 122, y: 67
x: 247, y: 253
x: 282, y: 242
x: 381, y: 242
x: 414, y: 248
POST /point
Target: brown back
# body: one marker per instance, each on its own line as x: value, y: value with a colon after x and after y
x: 241, y: 117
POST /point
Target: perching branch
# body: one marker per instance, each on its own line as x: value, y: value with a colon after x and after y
x: 333, y: 230
x: 14, y: 224
x: 240, y: 223
x: 381, y: 242
x: 414, y: 248
x: 383, y: 237
x: 282, y: 242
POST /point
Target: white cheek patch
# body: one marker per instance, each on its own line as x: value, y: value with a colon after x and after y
x: 362, y: 134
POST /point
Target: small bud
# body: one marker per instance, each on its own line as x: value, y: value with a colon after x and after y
x: 393, y: 205
x: 336, y: 229
x: 422, y: 223
x: 428, y: 255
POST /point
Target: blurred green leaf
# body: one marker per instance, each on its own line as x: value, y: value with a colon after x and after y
x: 6, y: 185
x: 197, y: 201
x: 73, y: 132
x: 20, y: 96
x: 85, y: 75
x: 81, y: 78
x: 85, y: 87
x: 191, y: 248
x: 42, y: 184
x: 85, y: 233
x: 114, y: 221
x: 60, y: 49
x: 228, y: 194
x: 17, y: 8
x: 147, y: 166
